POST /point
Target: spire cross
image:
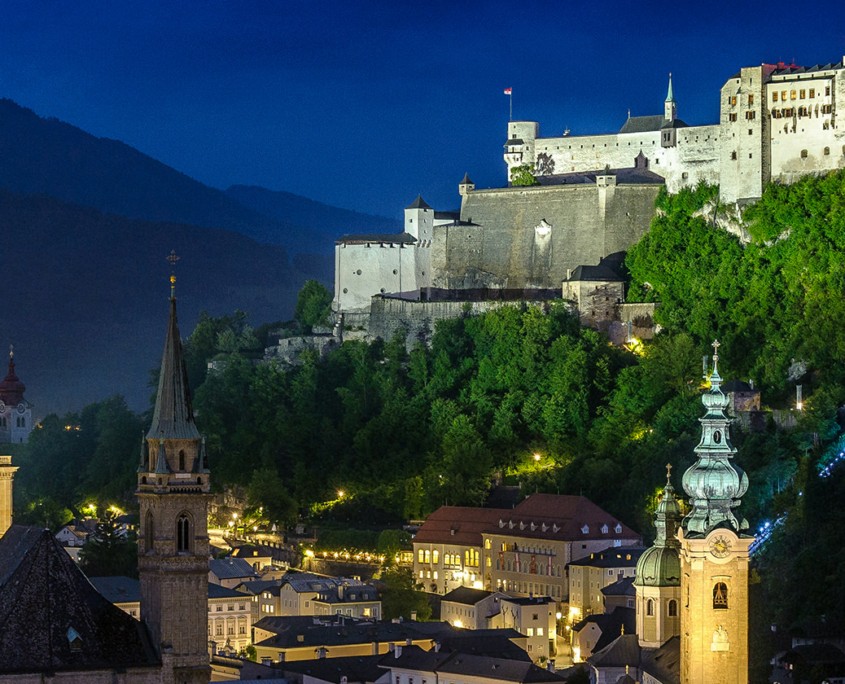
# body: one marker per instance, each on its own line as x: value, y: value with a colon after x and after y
x: 173, y: 258
x: 668, y: 471
x: 716, y: 344
x: 11, y: 351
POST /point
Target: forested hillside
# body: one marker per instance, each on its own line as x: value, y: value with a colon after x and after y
x: 525, y: 396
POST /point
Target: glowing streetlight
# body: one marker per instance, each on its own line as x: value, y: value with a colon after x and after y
x: 340, y: 493
x: 536, y: 457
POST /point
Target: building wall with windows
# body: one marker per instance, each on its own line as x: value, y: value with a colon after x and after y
x: 229, y: 618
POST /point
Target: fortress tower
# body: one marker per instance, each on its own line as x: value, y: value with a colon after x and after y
x: 173, y: 493
x: 714, y: 550
x: 658, y: 576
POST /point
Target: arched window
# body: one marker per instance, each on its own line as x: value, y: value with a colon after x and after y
x: 720, y: 596
x: 649, y: 607
x: 148, y: 531
x: 672, y: 608
x: 183, y: 533
x: 181, y: 459
x: 803, y: 154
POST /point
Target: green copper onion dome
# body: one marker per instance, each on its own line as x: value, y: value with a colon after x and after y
x: 660, y: 566
x: 714, y: 483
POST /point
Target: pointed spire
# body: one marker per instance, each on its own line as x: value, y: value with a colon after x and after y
x: 714, y: 483
x: 173, y: 417
x: 142, y: 458
x: 670, y: 96
x: 161, y: 463
x: 667, y: 516
x: 466, y: 180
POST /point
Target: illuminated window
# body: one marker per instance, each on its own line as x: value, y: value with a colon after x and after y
x: 435, y: 556
x: 793, y: 94
x: 720, y: 596
x: 774, y: 96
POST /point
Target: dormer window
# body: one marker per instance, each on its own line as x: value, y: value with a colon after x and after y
x: 585, y: 529
x: 604, y: 529
x: 618, y: 528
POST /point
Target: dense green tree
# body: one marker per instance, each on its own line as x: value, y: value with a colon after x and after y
x: 313, y: 305
x: 399, y: 597
x: 111, y: 550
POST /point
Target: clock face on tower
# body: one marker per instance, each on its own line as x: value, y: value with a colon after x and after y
x: 21, y: 408
x: 2, y: 406
x: 720, y: 546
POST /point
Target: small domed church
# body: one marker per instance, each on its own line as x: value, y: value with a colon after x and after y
x: 15, y: 410
x: 692, y: 584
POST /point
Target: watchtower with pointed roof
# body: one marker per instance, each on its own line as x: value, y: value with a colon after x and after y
x: 714, y: 550
x: 173, y: 493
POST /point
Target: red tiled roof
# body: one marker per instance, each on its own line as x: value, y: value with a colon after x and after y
x: 540, y: 516
x: 459, y: 525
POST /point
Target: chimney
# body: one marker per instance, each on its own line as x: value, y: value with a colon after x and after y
x: 413, y: 616
x: 397, y: 651
x: 436, y: 647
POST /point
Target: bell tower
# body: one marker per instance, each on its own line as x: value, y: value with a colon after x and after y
x: 714, y: 554
x: 173, y: 494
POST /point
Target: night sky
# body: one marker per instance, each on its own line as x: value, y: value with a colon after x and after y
x: 365, y: 104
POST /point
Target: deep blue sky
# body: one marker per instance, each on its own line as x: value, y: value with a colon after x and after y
x: 365, y: 104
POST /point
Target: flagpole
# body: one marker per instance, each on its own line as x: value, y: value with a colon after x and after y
x: 509, y: 93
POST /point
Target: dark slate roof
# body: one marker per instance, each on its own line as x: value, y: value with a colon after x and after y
x: 664, y: 663
x: 217, y: 591
x: 455, y: 216
x: 118, y: 589
x: 486, y: 642
x: 257, y: 586
x: 466, y: 180
x: 354, y: 668
x: 675, y: 123
x: 463, y: 665
x: 45, y: 601
x: 315, y: 632
x: 173, y: 417
x: 643, y: 124
x: 600, y: 273
x: 610, y: 625
x: 230, y: 568
x: 613, y: 557
x: 529, y: 600
x: 634, y: 175
x: 795, y: 69
x: 466, y: 595
x: 364, y: 238
x: 622, y: 651
x: 621, y: 587
x: 418, y: 203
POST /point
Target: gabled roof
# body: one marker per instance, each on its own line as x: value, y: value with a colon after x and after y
x: 351, y: 669
x: 643, y: 124
x: 490, y: 642
x: 230, y: 568
x: 621, y: 587
x: 466, y: 596
x: 623, y: 650
x: 611, y: 625
x: 53, y: 620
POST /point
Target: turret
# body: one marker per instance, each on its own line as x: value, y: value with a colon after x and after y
x: 466, y: 186
x: 670, y: 110
x: 419, y: 219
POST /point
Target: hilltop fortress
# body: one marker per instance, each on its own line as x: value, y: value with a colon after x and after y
x: 592, y: 199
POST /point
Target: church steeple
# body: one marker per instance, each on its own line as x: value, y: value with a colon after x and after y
x: 173, y: 494
x: 714, y: 483
x: 173, y: 417
x: 670, y: 110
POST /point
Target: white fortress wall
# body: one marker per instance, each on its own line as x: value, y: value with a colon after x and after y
x: 362, y: 270
x: 806, y: 136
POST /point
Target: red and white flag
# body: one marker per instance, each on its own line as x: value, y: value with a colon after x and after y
x: 508, y: 91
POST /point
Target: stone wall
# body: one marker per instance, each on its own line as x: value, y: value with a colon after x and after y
x: 417, y: 319
x: 509, y: 246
